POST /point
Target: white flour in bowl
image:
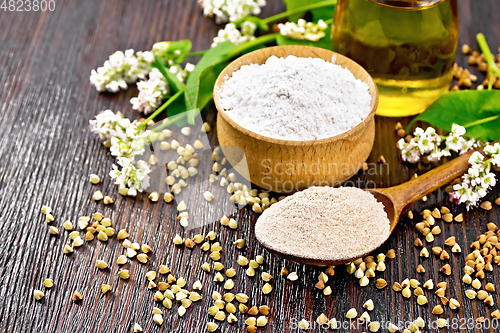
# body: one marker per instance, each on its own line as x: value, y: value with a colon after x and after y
x: 295, y: 98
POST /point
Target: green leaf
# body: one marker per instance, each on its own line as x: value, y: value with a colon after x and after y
x: 207, y: 82
x: 323, y: 42
x: 294, y: 4
x: 172, y: 80
x: 204, y: 75
x: 184, y: 45
x: 477, y: 110
x: 324, y: 13
x: 177, y: 106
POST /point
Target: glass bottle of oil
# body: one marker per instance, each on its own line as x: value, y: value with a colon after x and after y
x: 407, y: 46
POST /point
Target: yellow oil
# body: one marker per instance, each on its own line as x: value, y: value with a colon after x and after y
x: 407, y: 46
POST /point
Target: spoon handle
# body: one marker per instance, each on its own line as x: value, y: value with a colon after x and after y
x: 407, y: 194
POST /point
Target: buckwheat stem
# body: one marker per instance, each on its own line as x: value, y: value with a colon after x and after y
x: 492, y: 67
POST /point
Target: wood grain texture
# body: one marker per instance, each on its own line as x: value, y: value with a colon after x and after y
x: 47, y: 154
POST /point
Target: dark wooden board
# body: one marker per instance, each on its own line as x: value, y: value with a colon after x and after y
x: 47, y: 154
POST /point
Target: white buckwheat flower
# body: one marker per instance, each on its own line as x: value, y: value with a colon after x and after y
x: 409, y: 152
x: 437, y: 154
x: 478, y: 180
x: 121, y: 69
x: 133, y: 176
x: 180, y: 73
x: 429, y: 143
x: 121, y: 148
x: 160, y: 48
x: 126, y: 141
x: 476, y: 158
x: 122, y: 136
x: 237, y: 37
x: 231, y: 10
x: 303, y: 30
x: 457, y: 143
x: 457, y: 130
x: 492, y: 150
x: 495, y: 160
x: 133, y: 144
x: 151, y: 93
x: 108, y: 125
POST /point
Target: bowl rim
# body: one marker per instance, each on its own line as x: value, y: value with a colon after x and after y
x: 226, y: 73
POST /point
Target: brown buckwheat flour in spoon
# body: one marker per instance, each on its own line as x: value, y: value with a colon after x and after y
x: 324, y: 223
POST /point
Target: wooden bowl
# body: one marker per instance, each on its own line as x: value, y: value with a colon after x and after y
x: 286, y: 166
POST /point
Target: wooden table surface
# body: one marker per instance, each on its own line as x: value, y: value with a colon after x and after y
x: 47, y: 154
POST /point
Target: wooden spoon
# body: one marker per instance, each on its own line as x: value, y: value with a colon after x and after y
x: 396, y: 200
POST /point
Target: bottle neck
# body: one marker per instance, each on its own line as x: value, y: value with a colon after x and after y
x: 407, y: 4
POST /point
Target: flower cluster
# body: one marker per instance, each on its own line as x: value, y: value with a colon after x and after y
x: 237, y: 37
x: 479, y: 179
x: 121, y: 69
x: 126, y: 141
x: 108, y: 125
x: 151, y: 92
x: 303, y: 30
x: 428, y: 143
x: 132, y: 143
x: 132, y: 176
x: 231, y: 10
x: 124, y: 68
